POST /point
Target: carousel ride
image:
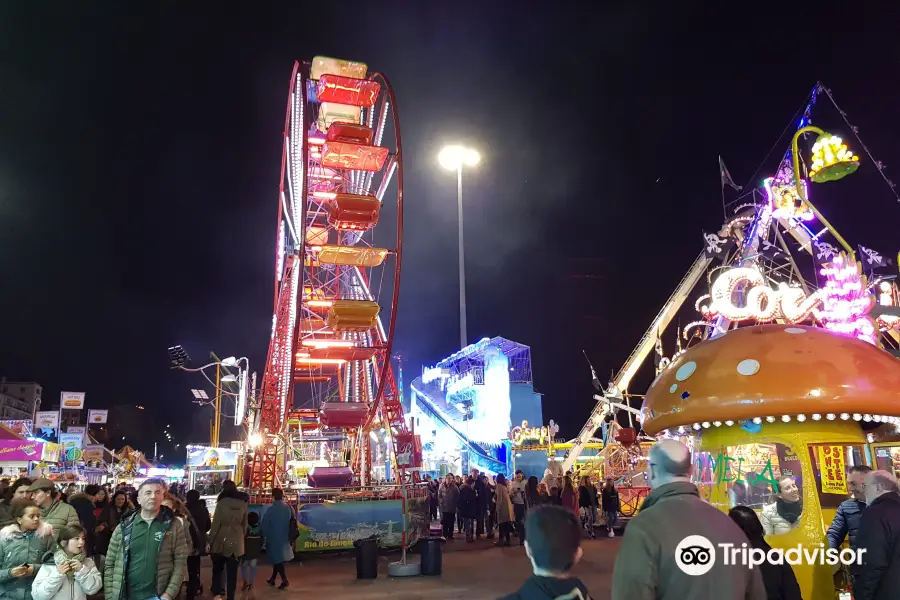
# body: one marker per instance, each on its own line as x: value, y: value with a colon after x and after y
x: 337, y: 277
x: 790, y: 368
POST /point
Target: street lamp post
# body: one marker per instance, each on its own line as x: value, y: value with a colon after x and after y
x: 453, y: 158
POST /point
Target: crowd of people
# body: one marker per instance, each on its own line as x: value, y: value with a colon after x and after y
x: 135, y: 544
x: 646, y: 566
x: 477, y: 504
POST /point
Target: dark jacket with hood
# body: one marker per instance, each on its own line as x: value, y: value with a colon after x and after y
x: 878, y: 578
x: 646, y: 568
x: 229, y: 526
x: 84, y: 508
x: 550, y: 588
x: 468, y: 502
x: 200, y: 526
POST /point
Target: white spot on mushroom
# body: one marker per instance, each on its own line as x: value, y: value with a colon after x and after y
x: 685, y: 370
x: 748, y: 367
x: 673, y: 388
x: 794, y: 330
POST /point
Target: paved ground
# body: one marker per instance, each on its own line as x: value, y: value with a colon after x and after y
x: 476, y: 571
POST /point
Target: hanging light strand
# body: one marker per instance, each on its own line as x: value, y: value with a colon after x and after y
x: 853, y: 128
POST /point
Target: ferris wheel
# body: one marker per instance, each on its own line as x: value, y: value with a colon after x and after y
x: 337, y: 271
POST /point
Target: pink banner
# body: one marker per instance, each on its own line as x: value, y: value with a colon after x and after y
x: 20, y: 450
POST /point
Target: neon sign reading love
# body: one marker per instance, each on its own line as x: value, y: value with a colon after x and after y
x: 761, y: 302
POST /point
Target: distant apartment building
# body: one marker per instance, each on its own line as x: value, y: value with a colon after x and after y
x: 19, y: 399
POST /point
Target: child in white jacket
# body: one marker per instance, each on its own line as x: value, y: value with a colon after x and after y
x: 71, y: 576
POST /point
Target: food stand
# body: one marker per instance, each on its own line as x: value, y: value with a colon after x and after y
x: 19, y: 455
x: 761, y: 404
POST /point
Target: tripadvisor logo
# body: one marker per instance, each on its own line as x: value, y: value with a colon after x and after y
x: 695, y: 555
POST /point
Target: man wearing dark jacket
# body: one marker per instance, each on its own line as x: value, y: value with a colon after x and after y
x: 846, y: 521
x: 482, y: 493
x: 83, y: 503
x: 648, y: 567
x: 878, y: 577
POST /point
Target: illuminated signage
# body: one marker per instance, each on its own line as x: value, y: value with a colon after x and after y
x: 761, y: 302
x: 524, y: 433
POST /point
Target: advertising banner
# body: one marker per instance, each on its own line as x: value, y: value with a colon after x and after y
x: 79, y: 429
x: 93, y: 453
x: 831, y: 466
x: 205, y: 457
x: 71, y: 400
x: 46, y: 419
x: 50, y: 452
x: 97, y: 416
x: 13, y: 450
x: 409, y: 451
x: 70, y: 440
x: 336, y: 525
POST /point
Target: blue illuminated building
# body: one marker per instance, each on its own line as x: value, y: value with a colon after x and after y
x: 464, y: 406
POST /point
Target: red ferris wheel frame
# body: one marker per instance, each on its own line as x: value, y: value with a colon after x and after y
x: 280, y: 375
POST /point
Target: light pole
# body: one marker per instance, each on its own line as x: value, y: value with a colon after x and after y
x: 453, y: 158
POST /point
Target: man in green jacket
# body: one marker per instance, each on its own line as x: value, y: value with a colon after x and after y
x: 146, y: 554
x: 646, y: 566
x: 54, y: 511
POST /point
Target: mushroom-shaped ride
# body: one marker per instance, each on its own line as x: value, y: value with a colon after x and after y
x: 776, y: 414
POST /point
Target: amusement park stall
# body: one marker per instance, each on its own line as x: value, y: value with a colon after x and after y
x: 208, y: 469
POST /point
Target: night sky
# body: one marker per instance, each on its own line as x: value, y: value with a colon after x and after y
x: 140, y: 156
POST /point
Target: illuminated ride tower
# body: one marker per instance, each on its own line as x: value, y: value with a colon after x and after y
x: 465, y: 405
x: 337, y: 272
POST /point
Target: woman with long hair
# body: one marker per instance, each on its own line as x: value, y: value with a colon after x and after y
x: 118, y: 505
x: 226, y: 538
x: 587, y: 500
x: 71, y: 575
x: 504, y: 511
x: 532, y: 495
x: 609, y: 500
x: 568, y: 497
x: 779, y: 579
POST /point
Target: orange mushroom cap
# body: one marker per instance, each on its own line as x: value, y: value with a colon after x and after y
x: 773, y: 370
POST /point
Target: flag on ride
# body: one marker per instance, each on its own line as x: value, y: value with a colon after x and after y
x: 726, y: 177
x: 823, y: 252
x: 772, y: 252
x: 717, y: 247
x: 871, y: 259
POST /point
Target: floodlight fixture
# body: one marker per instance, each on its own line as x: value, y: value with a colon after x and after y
x: 178, y: 357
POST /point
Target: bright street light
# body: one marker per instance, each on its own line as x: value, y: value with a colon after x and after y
x: 254, y: 440
x: 454, y: 158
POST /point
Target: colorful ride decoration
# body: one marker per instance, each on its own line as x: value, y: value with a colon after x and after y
x: 333, y: 322
x: 831, y: 160
x: 847, y: 300
x: 774, y: 401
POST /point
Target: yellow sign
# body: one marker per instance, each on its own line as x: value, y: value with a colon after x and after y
x: 524, y: 432
x: 831, y: 466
